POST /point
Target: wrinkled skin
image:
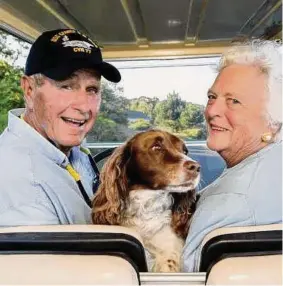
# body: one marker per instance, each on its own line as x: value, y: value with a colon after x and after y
x: 63, y: 111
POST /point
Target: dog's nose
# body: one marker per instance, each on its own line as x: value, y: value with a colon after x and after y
x: 192, y: 167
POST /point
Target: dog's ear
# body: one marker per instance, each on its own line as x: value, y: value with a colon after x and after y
x: 182, y: 210
x: 112, y: 194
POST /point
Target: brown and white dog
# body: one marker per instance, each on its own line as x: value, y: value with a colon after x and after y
x: 148, y: 184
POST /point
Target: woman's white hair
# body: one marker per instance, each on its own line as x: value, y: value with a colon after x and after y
x: 267, y: 56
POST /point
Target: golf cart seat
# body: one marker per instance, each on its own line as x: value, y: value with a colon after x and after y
x: 103, y: 255
x: 243, y: 256
x: 71, y: 254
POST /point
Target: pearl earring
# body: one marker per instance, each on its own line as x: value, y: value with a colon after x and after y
x: 267, y: 138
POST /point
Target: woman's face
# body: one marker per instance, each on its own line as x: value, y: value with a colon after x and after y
x: 236, y: 112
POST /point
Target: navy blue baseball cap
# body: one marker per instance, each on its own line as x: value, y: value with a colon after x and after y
x: 59, y: 53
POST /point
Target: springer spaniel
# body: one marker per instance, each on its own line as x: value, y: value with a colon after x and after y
x: 148, y: 184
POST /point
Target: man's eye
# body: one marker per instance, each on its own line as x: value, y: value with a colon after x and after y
x: 93, y: 90
x: 66, y: 86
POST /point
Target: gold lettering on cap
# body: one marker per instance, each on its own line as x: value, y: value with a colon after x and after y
x: 83, y: 50
x: 56, y: 37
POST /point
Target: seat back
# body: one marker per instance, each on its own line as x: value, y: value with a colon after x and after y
x: 243, y: 255
x: 71, y: 255
x: 49, y: 269
x: 252, y: 270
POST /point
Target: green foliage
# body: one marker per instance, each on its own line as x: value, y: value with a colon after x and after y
x: 193, y: 134
x: 103, y: 130
x: 160, y: 113
x: 11, y: 95
x: 172, y: 114
x: 3, y: 121
x: 111, y: 124
x: 106, y: 130
x: 192, y: 115
x: 170, y: 125
x: 169, y: 110
x: 113, y: 106
x: 140, y: 125
x: 145, y: 105
x: 174, y: 105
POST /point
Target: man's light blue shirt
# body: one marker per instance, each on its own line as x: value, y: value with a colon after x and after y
x: 249, y: 193
x: 35, y: 187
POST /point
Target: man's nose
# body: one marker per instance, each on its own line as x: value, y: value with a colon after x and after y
x: 81, y: 101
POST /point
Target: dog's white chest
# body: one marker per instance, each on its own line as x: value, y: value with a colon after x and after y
x: 148, y: 211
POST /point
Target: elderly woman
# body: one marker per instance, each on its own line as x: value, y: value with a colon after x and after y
x: 243, y: 115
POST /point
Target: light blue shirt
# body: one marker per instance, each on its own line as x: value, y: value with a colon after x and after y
x: 249, y: 193
x: 35, y: 187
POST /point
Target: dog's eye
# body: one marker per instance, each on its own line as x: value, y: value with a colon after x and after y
x: 186, y: 152
x: 156, y: 147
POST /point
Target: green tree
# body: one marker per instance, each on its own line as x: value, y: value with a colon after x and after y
x: 168, y: 111
x: 113, y: 105
x: 104, y: 129
x: 145, y: 105
x: 175, y: 105
x: 11, y: 95
x: 170, y: 125
x: 140, y: 125
x: 111, y: 124
x: 160, y: 113
x: 192, y: 115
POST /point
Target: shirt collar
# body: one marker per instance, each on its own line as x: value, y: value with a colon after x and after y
x: 29, y: 136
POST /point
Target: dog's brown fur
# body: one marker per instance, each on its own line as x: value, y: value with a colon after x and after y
x: 151, y: 161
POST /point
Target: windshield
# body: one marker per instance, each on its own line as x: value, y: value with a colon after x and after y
x: 164, y: 93
x: 168, y: 94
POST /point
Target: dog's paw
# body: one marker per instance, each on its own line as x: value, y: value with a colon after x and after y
x: 170, y: 265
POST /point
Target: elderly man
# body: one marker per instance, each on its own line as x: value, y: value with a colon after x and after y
x: 46, y: 177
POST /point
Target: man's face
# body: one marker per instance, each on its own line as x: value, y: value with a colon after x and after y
x: 235, y: 112
x: 65, y: 111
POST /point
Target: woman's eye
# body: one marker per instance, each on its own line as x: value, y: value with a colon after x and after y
x: 234, y: 100
x: 211, y: 98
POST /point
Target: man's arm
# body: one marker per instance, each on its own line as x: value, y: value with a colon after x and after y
x: 214, y: 211
x: 28, y: 205
x: 31, y: 214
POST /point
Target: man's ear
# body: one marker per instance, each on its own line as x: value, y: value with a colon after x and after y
x: 28, y: 88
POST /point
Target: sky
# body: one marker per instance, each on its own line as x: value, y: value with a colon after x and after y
x: 190, y: 81
x: 189, y: 77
